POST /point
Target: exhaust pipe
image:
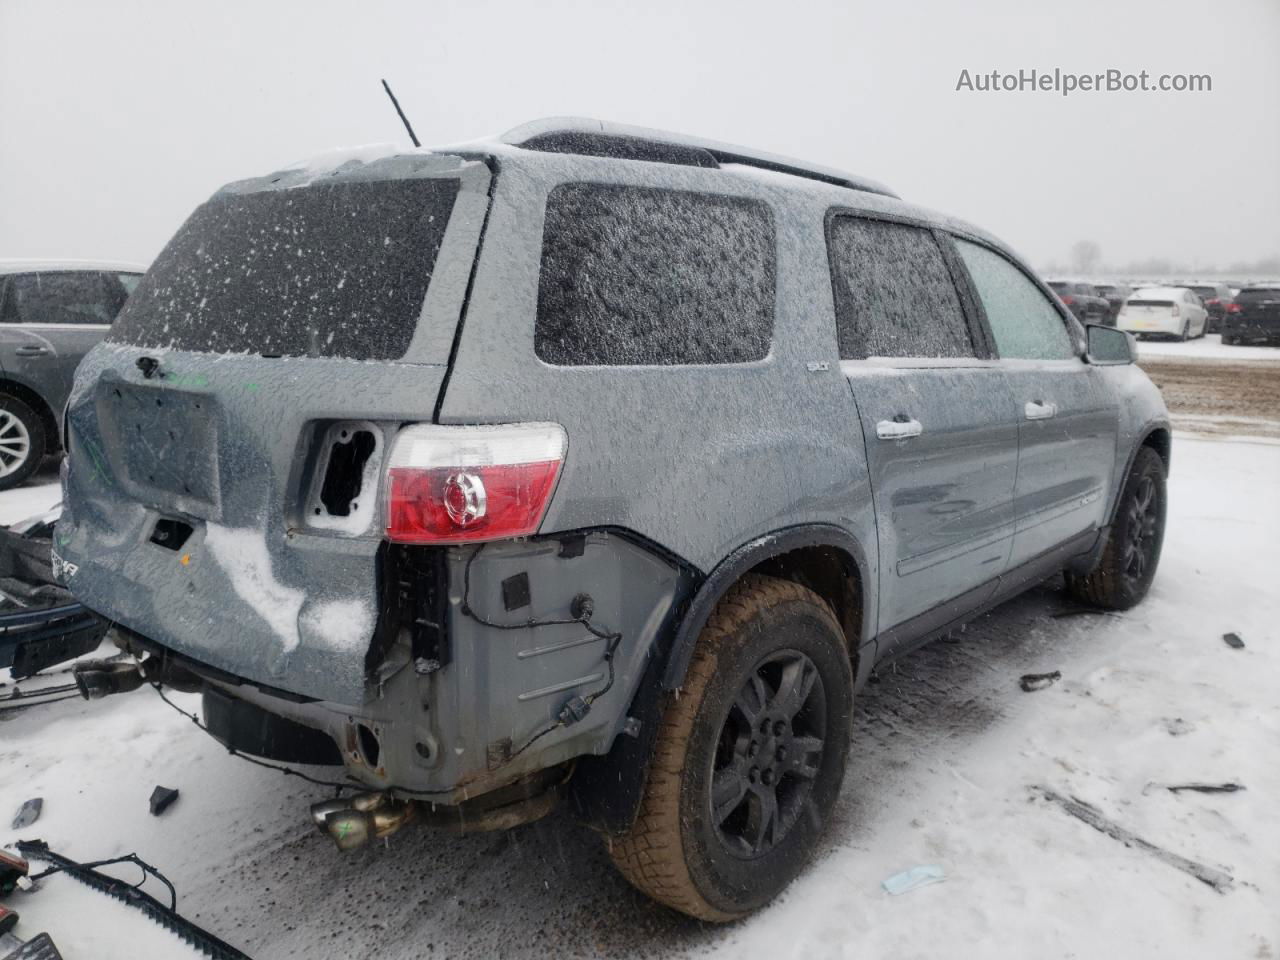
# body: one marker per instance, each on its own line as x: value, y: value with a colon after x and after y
x: 353, y: 822
x: 96, y: 679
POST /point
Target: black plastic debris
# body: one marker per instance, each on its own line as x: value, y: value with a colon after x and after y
x: 162, y: 799
x: 1030, y: 682
x: 28, y: 813
x: 1205, y: 787
x: 39, y: 947
x: 1233, y: 640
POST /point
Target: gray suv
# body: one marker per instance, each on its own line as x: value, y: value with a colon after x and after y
x: 591, y: 467
x: 51, y: 314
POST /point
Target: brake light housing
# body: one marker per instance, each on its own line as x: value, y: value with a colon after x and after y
x: 469, y: 484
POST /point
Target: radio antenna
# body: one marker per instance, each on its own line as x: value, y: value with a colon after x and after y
x: 403, y: 119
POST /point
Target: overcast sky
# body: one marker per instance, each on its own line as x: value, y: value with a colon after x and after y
x: 116, y: 119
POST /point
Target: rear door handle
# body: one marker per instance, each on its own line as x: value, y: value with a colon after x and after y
x: 898, y: 429
x: 1039, y: 410
x: 31, y: 351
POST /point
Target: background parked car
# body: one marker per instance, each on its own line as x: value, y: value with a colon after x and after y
x: 1115, y: 294
x: 1216, y: 298
x: 51, y: 315
x: 1254, y: 316
x: 1083, y: 301
x: 1164, y: 311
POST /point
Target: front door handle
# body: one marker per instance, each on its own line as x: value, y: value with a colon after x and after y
x: 31, y: 351
x: 898, y: 429
x: 1039, y: 410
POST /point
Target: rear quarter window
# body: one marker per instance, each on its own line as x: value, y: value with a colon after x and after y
x: 894, y: 294
x: 637, y: 275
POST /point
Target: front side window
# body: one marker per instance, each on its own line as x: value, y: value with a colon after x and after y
x: 894, y: 294
x: 66, y: 297
x: 635, y: 275
x: 1022, y: 320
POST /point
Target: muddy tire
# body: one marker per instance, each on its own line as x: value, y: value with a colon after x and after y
x: 1132, y: 553
x: 22, y: 442
x: 749, y: 758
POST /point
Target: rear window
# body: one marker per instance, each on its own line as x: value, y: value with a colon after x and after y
x: 330, y: 270
x: 634, y: 275
x: 1257, y: 295
x: 1151, y: 303
x: 894, y: 294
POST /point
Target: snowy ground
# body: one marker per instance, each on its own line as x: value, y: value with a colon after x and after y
x: 1209, y: 347
x: 946, y: 754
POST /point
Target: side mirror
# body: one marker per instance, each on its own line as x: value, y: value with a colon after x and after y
x: 1108, y: 346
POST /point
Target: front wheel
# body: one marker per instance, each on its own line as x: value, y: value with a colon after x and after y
x: 750, y: 756
x: 1132, y: 553
x: 22, y: 442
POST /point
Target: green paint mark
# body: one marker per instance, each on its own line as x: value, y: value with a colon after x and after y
x: 189, y: 380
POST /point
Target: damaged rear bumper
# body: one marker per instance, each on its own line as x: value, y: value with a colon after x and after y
x: 481, y: 676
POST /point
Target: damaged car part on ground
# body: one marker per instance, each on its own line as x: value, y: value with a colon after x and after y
x: 652, y: 448
x: 41, y: 623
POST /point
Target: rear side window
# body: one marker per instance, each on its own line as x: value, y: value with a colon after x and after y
x: 66, y: 297
x: 634, y: 275
x: 1022, y: 320
x: 333, y: 270
x: 894, y: 294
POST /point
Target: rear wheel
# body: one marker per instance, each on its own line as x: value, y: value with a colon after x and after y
x: 749, y: 758
x: 1132, y: 553
x: 22, y: 441
x: 1186, y: 332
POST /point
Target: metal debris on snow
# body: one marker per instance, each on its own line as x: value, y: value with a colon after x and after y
x: 1218, y: 879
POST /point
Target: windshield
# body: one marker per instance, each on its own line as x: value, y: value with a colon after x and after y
x: 332, y: 270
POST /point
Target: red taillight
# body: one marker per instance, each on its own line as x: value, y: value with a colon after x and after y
x: 1068, y: 300
x: 1210, y: 303
x: 1233, y: 308
x: 449, y: 484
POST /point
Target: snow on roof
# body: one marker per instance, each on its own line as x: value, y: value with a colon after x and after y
x: 327, y: 161
x: 38, y: 266
x: 1163, y: 290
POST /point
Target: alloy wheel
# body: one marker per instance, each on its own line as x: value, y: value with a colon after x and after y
x: 769, y: 754
x: 15, y: 443
x: 1142, y: 521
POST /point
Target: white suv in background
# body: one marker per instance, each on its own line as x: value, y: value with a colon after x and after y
x: 1164, y: 311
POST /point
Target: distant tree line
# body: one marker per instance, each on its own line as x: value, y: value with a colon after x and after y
x: 1086, y: 258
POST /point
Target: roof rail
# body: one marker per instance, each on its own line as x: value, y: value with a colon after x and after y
x: 589, y: 137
